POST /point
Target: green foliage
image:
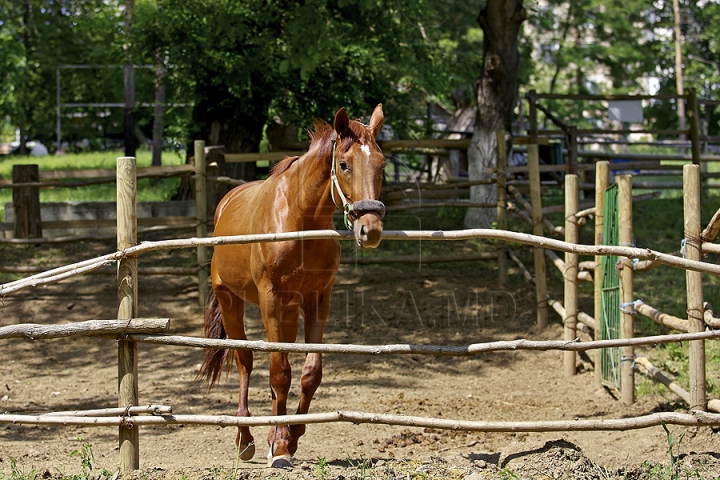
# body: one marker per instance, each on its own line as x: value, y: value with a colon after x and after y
x: 507, y: 474
x: 591, y: 46
x: 362, y: 468
x: 87, y: 459
x: 87, y: 465
x: 35, y: 38
x: 236, y: 64
x: 19, y: 473
x: 671, y: 471
x: 321, y: 469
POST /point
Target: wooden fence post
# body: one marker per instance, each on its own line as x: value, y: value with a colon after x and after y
x: 127, y: 281
x: 501, y: 206
x: 694, y: 125
x: 201, y: 210
x: 572, y: 149
x: 26, y: 202
x: 571, y: 272
x: 627, y: 322
x: 602, y: 181
x: 532, y: 117
x: 536, y: 202
x: 691, y: 195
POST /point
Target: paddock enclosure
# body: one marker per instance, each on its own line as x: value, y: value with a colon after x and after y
x: 411, y: 404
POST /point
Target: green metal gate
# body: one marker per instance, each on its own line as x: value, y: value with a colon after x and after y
x: 610, y: 296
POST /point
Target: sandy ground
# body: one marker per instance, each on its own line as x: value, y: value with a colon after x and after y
x: 370, y: 306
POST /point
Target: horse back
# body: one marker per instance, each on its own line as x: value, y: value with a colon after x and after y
x: 236, y: 195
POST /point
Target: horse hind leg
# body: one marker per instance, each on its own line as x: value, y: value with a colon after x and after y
x: 233, y: 309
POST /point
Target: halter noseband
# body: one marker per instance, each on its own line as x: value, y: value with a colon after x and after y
x: 360, y: 207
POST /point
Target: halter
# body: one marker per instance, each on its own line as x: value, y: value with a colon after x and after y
x: 361, y: 207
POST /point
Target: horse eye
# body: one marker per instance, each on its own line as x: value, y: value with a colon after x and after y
x: 344, y: 166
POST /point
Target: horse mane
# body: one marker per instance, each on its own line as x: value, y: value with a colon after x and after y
x: 322, y: 138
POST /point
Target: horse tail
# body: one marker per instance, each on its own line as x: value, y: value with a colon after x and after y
x: 215, y: 358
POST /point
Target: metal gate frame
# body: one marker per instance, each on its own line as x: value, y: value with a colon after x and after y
x: 610, y: 358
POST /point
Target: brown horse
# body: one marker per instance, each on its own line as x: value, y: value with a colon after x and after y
x: 343, y: 168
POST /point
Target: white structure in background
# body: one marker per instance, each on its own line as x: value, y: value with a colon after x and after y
x: 630, y: 111
x: 39, y: 150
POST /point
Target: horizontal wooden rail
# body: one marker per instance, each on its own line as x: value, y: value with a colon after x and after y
x: 643, y: 131
x: 435, y: 350
x: 393, y: 187
x: 107, y: 270
x: 657, y: 316
x: 33, y: 331
x: 412, y: 206
x: 360, y: 260
x: 414, y: 194
x: 93, y: 238
x: 590, y: 204
x: 541, y: 168
x: 256, y: 157
x: 98, y: 176
x: 696, y: 419
x: 456, y: 257
x: 111, y: 172
x: 644, y: 156
x: 583, y: 318
x: 395, y: 145
x: 559, y: 263
x: 618, y: 96
x: 713, y: 405
x: 176, y: 223
x: 58, y: 274
x: 114, y: 412
x: 710, y: 247
x: 112, y: 222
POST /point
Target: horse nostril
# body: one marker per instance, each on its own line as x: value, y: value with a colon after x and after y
x: 363, y: 232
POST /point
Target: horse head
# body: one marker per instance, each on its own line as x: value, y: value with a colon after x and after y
x: 357, y: 174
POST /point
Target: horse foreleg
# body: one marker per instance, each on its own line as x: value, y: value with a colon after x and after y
x: 316, y: 314
x: 232, y: 309
x: 279, y: 437
x: 280, y: 318
x: 309, y: 383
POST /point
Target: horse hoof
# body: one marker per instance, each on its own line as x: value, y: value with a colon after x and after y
x: 281, y: 461
x: 248, y: 452
x: 278, y: 461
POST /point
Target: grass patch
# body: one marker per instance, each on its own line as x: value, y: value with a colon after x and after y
x: 149, y: 190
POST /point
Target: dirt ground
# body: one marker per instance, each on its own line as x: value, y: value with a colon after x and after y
x: 371, y: 305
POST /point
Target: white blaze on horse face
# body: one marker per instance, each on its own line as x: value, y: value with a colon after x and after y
x: 366, y: 150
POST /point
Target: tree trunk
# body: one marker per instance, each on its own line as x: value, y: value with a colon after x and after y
x: 236, y: 125
x: 23, y: 103
x: 497, y: 95
x: 159, y: 113
x: 129, y: 86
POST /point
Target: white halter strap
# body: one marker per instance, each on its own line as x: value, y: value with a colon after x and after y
x: 346, y: 207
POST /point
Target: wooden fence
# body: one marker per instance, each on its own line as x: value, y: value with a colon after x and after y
x: 700, y: 314
x: 136, y: 330
x: 570, y: 136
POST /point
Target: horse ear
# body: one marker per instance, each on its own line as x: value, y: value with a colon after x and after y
x: 377, y: 119
x: 342, y: 122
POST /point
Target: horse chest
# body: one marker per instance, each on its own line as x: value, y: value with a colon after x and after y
x: 307, y: 266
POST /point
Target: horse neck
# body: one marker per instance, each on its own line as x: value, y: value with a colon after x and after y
x: 314, y: 203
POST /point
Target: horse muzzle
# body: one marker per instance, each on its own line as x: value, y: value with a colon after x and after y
x: 368, y: 226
